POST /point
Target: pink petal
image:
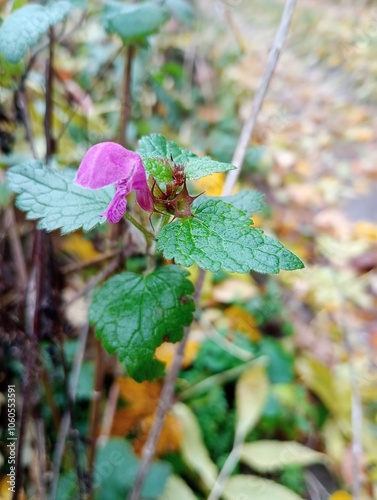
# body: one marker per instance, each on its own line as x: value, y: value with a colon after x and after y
x: 145, y: 199
x: 107, y: 163
x: 117, y: 206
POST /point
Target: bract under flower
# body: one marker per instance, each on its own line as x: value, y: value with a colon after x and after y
x: 109, y: 163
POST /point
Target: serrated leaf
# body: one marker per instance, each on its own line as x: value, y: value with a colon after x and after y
x: 271, y: 456
x: 220, y: 236
x: 134, y: 314
x: 134, y: 21
x: 155, y: 147
x: 24, y: 27
x: 247, y: 201
x: 256, y: 488
x: 52, y: 196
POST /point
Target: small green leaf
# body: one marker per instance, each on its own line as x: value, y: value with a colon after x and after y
x: 220, y: 236
x: 24, y: 27
x: 134, y: 314
x: 133, y: 21
x: 246, y: 200
x: 155, y: 147
x: 52, y: 196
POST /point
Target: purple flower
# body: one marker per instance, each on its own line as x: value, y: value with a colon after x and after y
x: 109, y: 163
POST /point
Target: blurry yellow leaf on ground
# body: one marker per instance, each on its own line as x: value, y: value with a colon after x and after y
x: 233, y: 289
x: 340, y: 495
x: 256, y: 488
x: 242, y: 321
x: 365, y: 230
x: 177, y: 489
x: 81, y: 247
x: 140, y: 400
x: 193, y: 450
x: 267, y: 456
x: 212, y: 185
x: 170, y: 437
x: 165, y: 352
x: 251, y: 397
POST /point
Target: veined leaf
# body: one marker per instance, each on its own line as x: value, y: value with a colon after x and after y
x: 157, y: 152
x: 134, y: 314
x: 52, y: 197
x: 220, y: 236
x: 247, y: 201
x: 24, y: 27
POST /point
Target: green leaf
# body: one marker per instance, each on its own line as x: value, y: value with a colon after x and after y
x: 220, y: 236
x: 246, y: 200
x: 256, y: 488
x: 134, y: 314
x: 52, y: 196
x: 156, y: 150
x: 133, y: 21
x: 24, y: 27
x: 268, y: 456
x: 115, y: 471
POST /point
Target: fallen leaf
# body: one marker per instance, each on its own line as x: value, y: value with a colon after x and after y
x: 242, y: 321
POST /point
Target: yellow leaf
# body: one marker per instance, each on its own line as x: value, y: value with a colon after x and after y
x: 212, y: 185
x: 365, y: 230
x: 251, y: 396
x: 194, y: 453
x: 81, y: 247
x: 340, y: 495
x: 137, y: 416
x: 242, y: 321
x: 177, y: 488
x: 256, y: 488
x: 267, y: 456
x: 165, y: 353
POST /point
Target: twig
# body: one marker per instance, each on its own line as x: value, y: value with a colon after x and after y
x: 66, y: 421
x: 49, y: 101
x: 165, y: 402
x: 17, y: 252
x: 109, y: 269
x: 247, y: 130
x: 109, y: 413
x: 77, y: 266
x: 125, y: 107
x: 41, y: 445
x: 23, y: 107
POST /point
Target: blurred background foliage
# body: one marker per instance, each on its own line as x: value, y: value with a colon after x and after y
x: 295, y: 353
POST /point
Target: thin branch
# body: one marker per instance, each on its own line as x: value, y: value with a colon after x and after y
x: 66, y: 421
x: 17, y: 251
x: 49, y: 101
x: 125, y: 107
x: 77, y: 266
x: 165, y: 402
x: 247, y: 130
x: 109, y: 269
x: 24, y: 109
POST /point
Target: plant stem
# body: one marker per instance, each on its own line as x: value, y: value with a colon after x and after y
x: 125, y: 107
x: 164, y: 403
x: 248, y: 128
x: 141, y: 228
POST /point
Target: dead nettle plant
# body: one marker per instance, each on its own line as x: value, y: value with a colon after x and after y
x: 134, y: 313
